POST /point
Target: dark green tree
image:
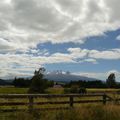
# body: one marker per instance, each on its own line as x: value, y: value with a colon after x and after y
x: 21, y: 82
x: 111, y: 83
x: 38, y: 83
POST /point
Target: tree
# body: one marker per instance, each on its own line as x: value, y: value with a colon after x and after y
x: 111, y: 83
x: 38, y: 83
x: 21, y: 82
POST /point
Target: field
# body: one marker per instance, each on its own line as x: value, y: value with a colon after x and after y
x: 13, y: 90
x: 94, y: 111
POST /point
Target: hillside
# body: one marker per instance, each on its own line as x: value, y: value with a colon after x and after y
x: 56, y: 77
x: 67, y: 77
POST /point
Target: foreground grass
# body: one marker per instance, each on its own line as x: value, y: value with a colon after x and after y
x: 84, y: 112
x: 13, y: 90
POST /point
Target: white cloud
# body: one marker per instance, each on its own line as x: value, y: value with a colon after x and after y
x: 113, y: 54
x: 97, y: 75
x: 92, y: 55
x: 26, y: 23
x: 78, y: 52
x: 100, y: 75
x: 16, y: 64
x: 94, y: 61
x: 118, y: 37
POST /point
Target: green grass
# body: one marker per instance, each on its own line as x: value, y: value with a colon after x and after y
x: 13, y: 90
x: 102, y: 90
x: 55, y: 90
x: 61, y: 90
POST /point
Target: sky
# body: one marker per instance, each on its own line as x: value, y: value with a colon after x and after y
x: 80, y: 36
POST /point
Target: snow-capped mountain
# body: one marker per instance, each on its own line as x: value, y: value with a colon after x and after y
x: 67, y: 77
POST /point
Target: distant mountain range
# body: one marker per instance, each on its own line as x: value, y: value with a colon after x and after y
x: 56, y: 77
x: 67, y: 77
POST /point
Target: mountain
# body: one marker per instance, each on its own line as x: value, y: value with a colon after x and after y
x: 67, y: 77
x: 58, y: 77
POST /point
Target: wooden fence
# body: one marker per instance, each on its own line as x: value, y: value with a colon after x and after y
x: 103, y: 98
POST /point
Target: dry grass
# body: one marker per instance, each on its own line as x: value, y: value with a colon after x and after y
x: 84, y: 112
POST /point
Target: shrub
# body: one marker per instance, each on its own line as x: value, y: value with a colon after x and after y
x: 82, y: 90
x: 66, y: 90
x: 75, y: 89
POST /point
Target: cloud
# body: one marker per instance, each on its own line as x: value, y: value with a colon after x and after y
x: 100, y: 75
x: 92, y: 55
x: 94, y: 61
x: 118, y: 37
x: 97, y: 75
x: 26, y: 23
x: 113, y: 54
x: 14, y: 64
x: 6, y: 45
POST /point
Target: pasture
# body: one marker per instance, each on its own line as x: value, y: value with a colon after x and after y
x: 87, y: 111
x: 14, y: 90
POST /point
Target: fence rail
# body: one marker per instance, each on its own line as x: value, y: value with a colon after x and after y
x: 103, y: 98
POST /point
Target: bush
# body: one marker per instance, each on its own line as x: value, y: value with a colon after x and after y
x: 66, y: 90
x: 74, y: 89
x: 82, y: 90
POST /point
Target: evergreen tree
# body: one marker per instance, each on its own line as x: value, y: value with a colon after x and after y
x: 21, y: 82
x: 111, y: 83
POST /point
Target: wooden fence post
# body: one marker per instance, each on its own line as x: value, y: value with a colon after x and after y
x: 104, y: 99
x: 30, y: 107
x: 71, y: 101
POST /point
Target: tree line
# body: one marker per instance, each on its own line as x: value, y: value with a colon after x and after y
x: 109, y: 83
x: 38, y: 84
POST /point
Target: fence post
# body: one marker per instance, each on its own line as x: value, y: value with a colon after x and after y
x: 30, y: 107
x: 71, y: 101
x: 104, y: 99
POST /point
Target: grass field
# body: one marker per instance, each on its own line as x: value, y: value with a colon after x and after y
x: 84, y: 112
x: 13, y: 90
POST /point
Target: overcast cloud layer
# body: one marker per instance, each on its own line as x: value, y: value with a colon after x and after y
x: 26, y: 23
